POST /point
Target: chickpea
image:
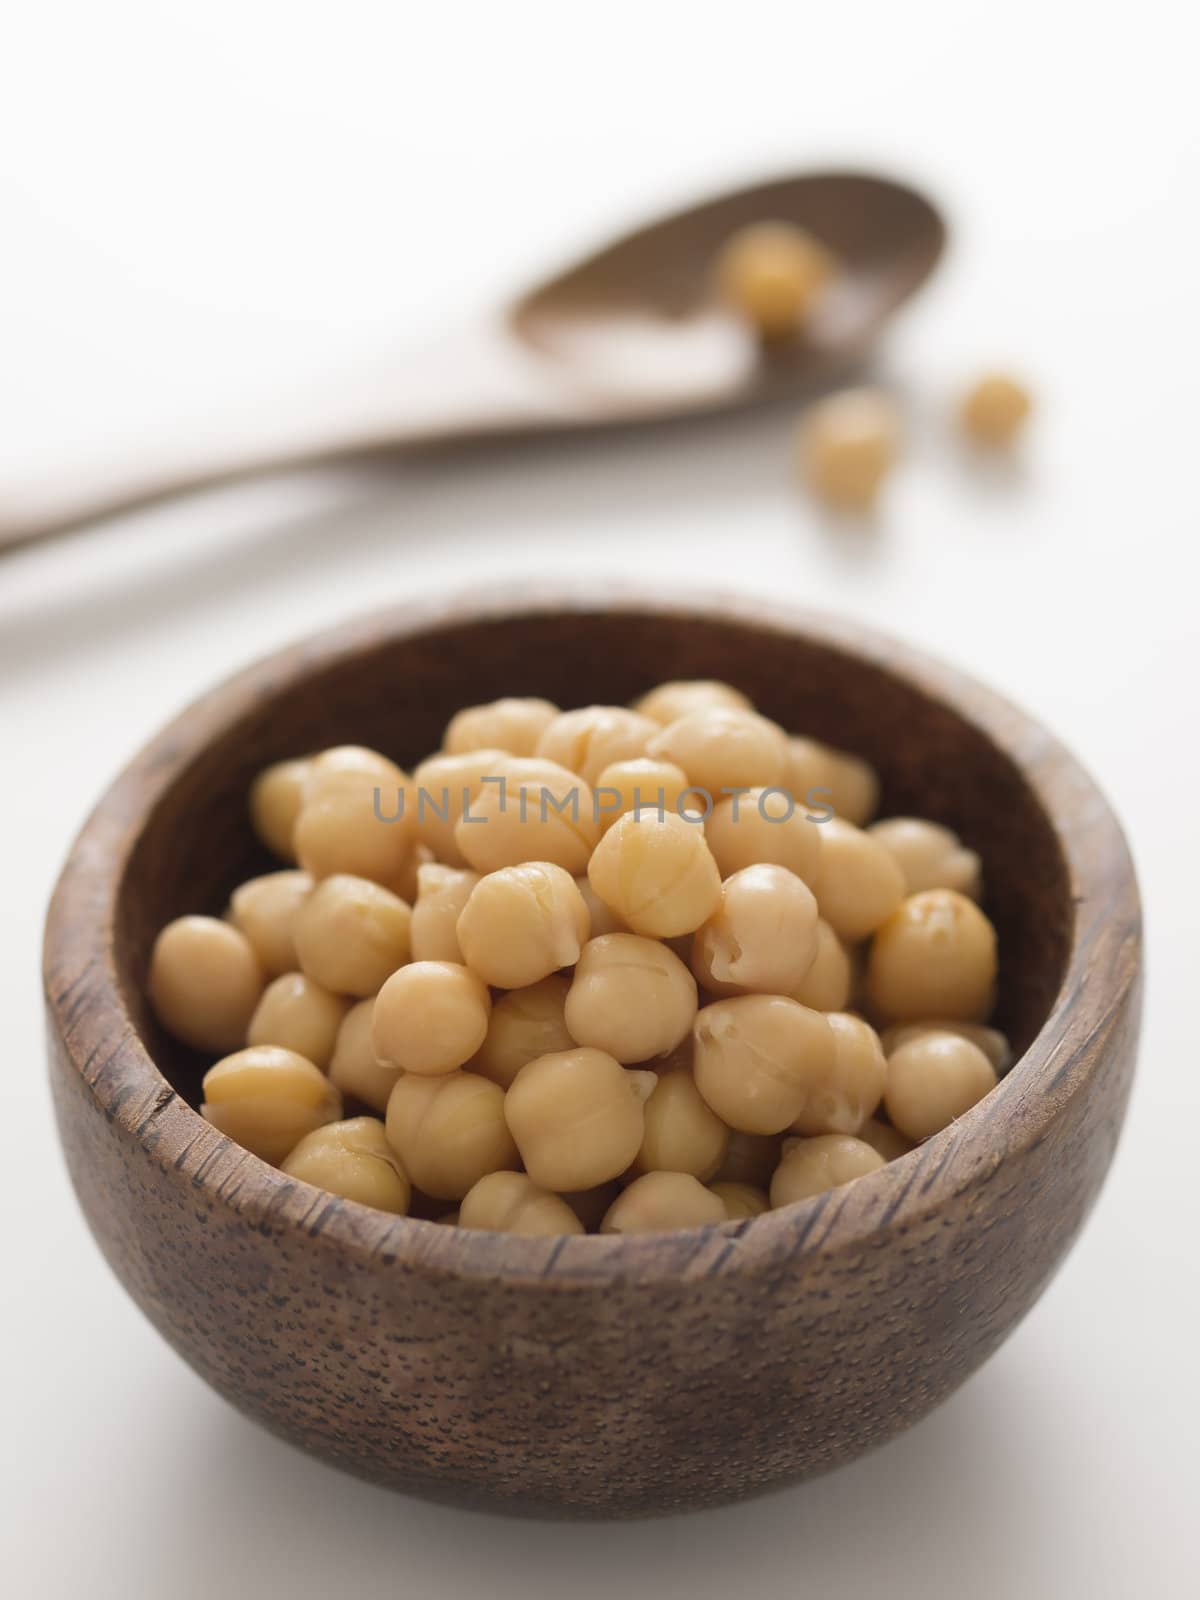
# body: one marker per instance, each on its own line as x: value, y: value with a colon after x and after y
x: 750, y: 1158
x: 885, y: 1139
x: 657, y: 874
x: 933, y: 1079
x: 661, y: 1201
x: 442, y: 892
x: 682, y: 1134
x: 536, y: 811
x: 351, y: 934
x: 723, y: 749
x: 842, y: 1101
x: 577, y: 1117
x: 520, y: 924
x: 449, y: 1131
x: 298, y: 1015
x: 670, y: 701
x: 764, y: 827
x: 757, y: 1058
x: 934, y: 957
x: 267, y: 1099
x: 848, y: 443
x: 408, y: 878
x: 630, y: 996
x: 772, y: 274
x: 445, y: 786
x: 591, y: 739
x: 639, y: 784
x: 994, y: 409
x: 510, y: 724
x: 859, y: 886
x: 347, y: 767
x: 741, y: 1200
x: 510, y: 1202
x: 811, y: 1166
x: 205, y: 981
x: 264, y: 909
x: 929, y: 856
x: 355, y: 1069
x: 991, y: 1041
x: 827, y: 983
x: 430, y: 1017
x: 820, y: 776
x: 525, y: 1024
x: 762, y: 937
x: 354, y: 1160
x: 356, y: 831
x: 275, y: 800
x: 601, y: 918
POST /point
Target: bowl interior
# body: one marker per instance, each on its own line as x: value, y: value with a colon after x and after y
x: 396, y: 689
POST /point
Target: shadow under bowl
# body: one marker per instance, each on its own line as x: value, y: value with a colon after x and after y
x: 595, y: 1376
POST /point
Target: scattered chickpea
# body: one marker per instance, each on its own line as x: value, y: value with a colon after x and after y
x: 520, y: 924
x: 764, y: 827
x: 348, y: 768
x: 442, y: 892
x: 510, y: 724
x: 275, y: 800
x: 859, y: 885
x: 657, y: 874
x: 641, y: 783
x: 762, y: 938
x: 299, y: 1015
x: 681, y: 1133
x: 449, y: 1131
x: 587, y: 741
x: 577, y: 1117
x: 661, y: 1201
x: 430, y: 1017
x: 267, y: 1099
x: 934, y: 957
x: 757, y: 1058
x: 525, y: 1024
x: 741, y: 1200
x: 355, y: 831
x: 994, y: 409
x: 354, y: 1160
x: 821, y: 776
x: 354, y: 1068
x: 351, y: 934
x: 630, y: 996
x: 772, y: 274
x: 848, y: 443
x: 933, y: 1079
x: 810, y: 1166
x: 205, y: 981
x: 510, y: 1202
x: 929, y: 856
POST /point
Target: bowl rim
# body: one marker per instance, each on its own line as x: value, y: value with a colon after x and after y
x: 88, y: 1014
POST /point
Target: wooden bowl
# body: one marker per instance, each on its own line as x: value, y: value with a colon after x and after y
x: 597, y: 1376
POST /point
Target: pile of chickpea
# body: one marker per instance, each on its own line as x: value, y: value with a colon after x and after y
x: 618, y: 968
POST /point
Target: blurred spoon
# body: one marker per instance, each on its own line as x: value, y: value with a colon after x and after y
x: 630, y: 334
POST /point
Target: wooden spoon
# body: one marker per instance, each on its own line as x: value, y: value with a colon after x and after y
x: 632, y: 333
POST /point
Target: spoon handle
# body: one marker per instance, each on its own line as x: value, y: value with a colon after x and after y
x: 466, y: 385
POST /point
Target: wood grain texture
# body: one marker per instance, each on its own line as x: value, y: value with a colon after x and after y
x: 596, y: 1376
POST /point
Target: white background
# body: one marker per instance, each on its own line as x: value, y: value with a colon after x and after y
x: 204, y: 204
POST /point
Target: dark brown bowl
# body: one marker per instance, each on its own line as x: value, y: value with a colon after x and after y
x: 596, y: 1376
